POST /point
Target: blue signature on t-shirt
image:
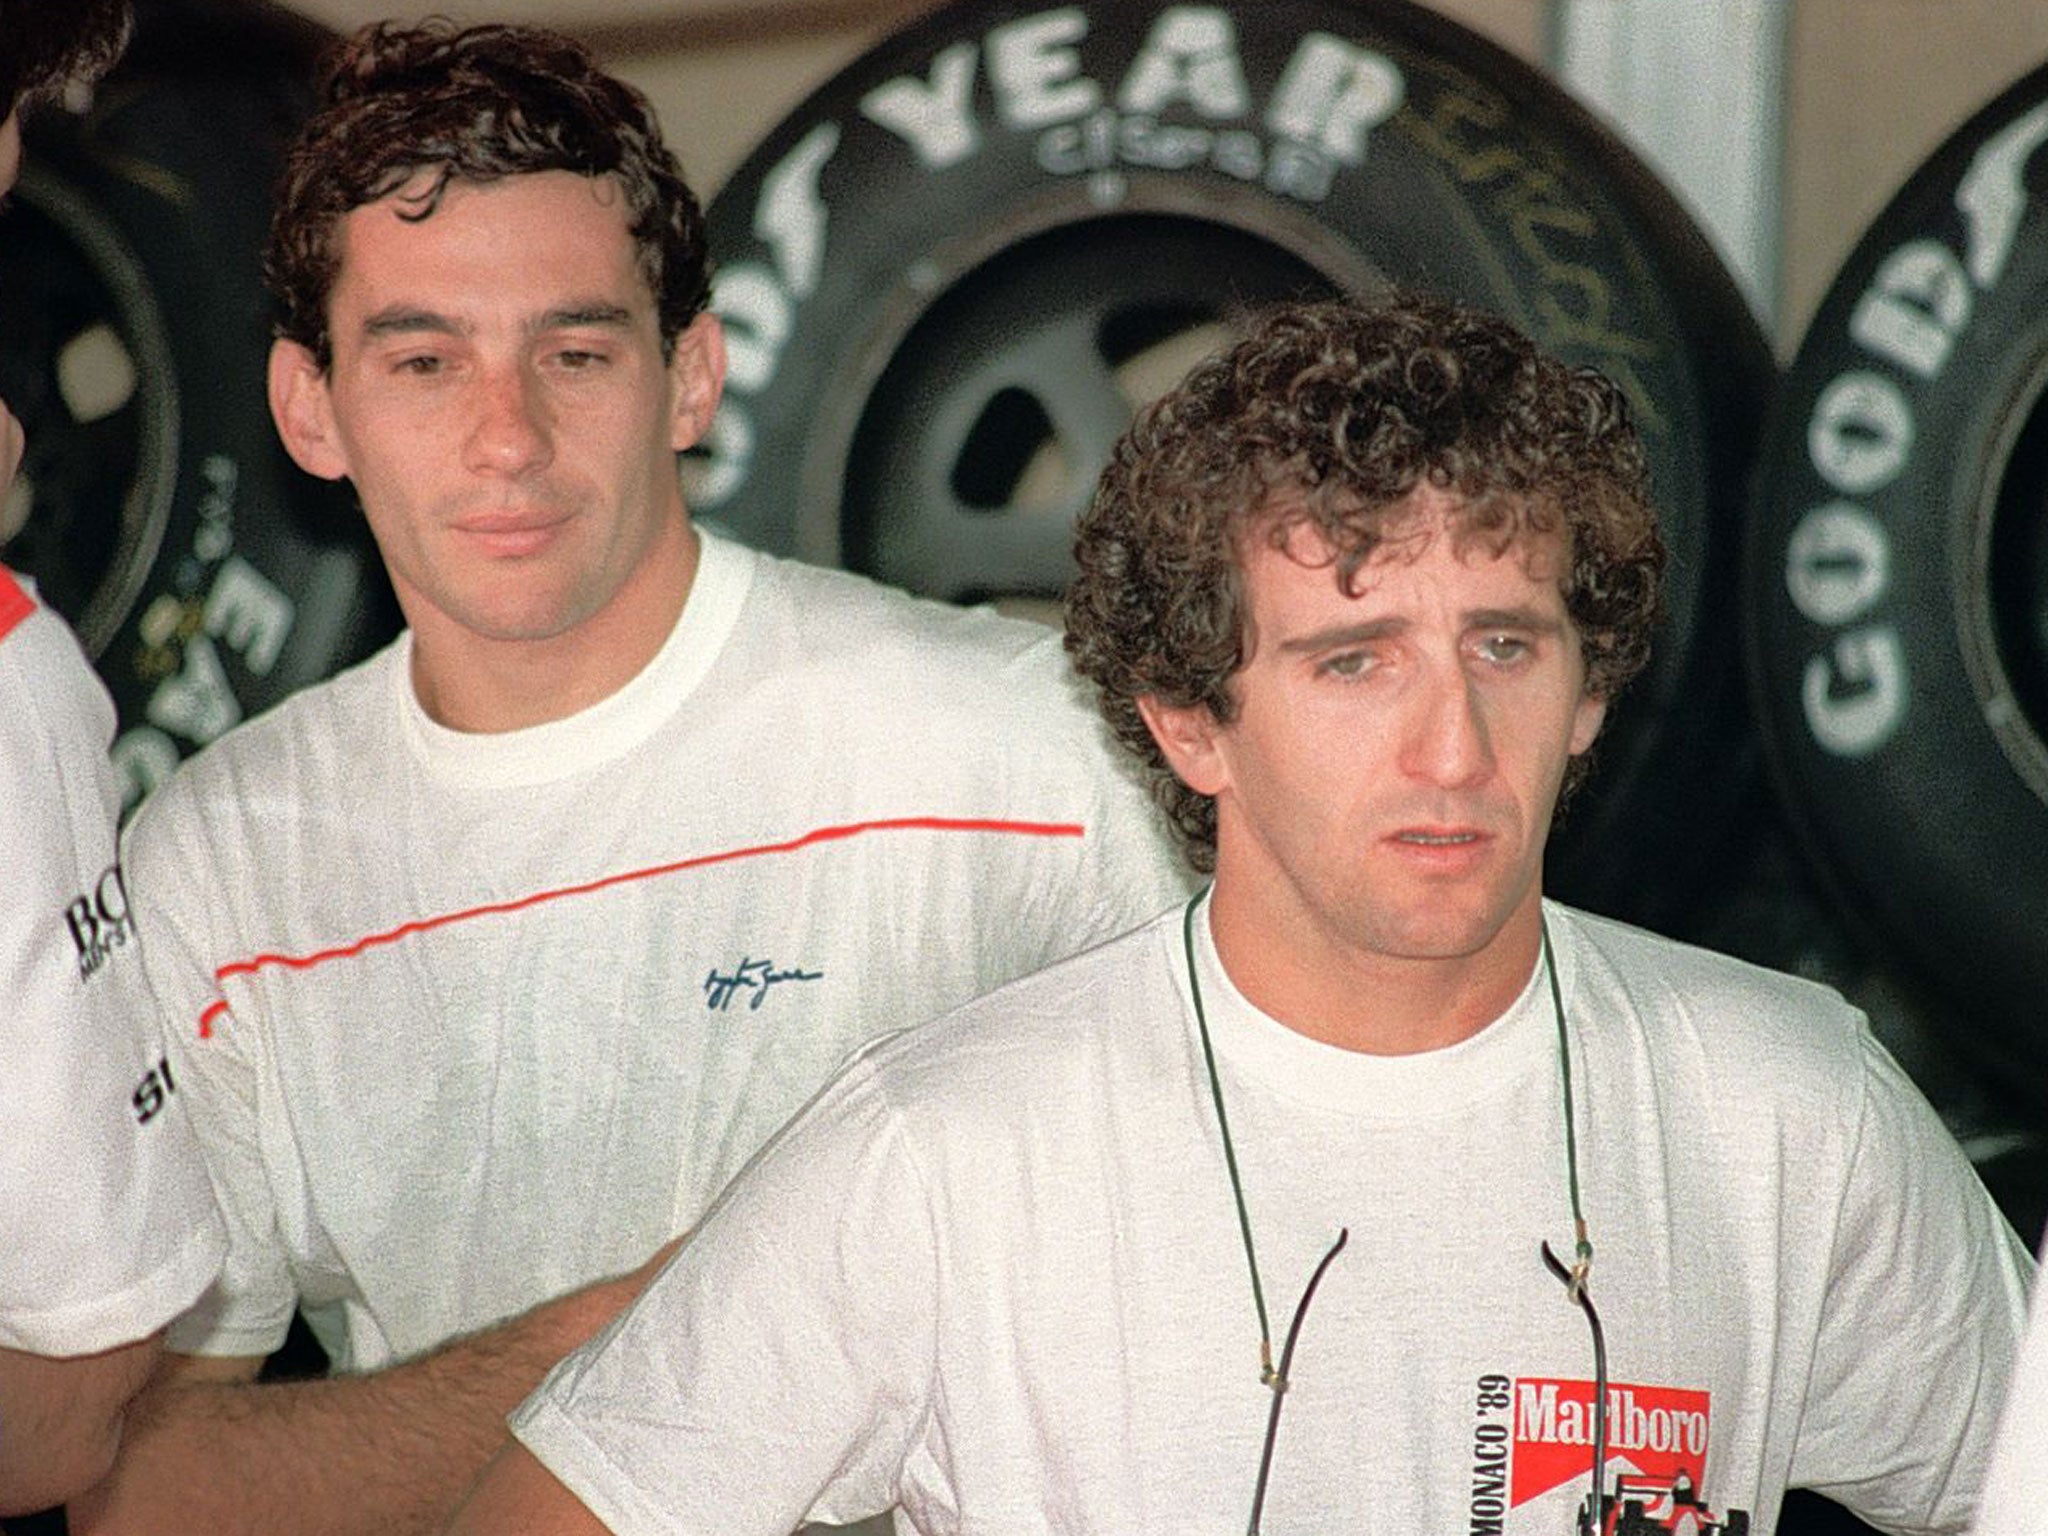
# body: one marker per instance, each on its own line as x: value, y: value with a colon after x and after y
x: 755, y: 976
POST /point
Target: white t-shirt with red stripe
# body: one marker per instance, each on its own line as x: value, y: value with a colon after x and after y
x: 107, y: 1227
x: 469, y: 1020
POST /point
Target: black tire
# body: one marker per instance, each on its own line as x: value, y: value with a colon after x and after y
x: 1897, y: 586
x: 911, y: 324
x: 207, y: 575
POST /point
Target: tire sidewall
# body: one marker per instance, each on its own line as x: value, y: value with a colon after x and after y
x: 1481, y: 180
x: 1906, y: 765
x: 254, y: 579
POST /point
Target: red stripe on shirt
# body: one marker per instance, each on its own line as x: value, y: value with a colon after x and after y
x: 15, y: 603
x: 540, y: 898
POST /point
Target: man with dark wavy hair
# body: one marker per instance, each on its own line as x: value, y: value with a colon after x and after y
x: 488, y: 963
x: 107, y: 1228
x: 1364, y: 1132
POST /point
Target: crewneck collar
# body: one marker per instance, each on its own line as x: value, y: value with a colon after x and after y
x: 1419, y: 1086
x: 614, y: 725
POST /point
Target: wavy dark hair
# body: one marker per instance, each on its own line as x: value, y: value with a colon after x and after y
x: 472, y: 104
x: 46, y: 45
x: 1328, y: 415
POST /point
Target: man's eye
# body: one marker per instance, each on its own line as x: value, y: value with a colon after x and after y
x: 576, y: 359
x: 1346, y: 664
x: 1504, y: 647
x: 422, y: 364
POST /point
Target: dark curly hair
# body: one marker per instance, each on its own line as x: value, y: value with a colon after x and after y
x: 472, y: 104
x: 1327, y: 415
x: 46, y: 45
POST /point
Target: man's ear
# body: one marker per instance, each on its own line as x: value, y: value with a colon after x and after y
x: 1189, y: 739
x: 303, y: 411
x: 1587, y: 719
x: 696, y: 371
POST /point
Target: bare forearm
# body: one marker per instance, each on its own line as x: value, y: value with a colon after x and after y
x: 60, y: 1420
x: 517, y: 1496
x: 389, y: 1453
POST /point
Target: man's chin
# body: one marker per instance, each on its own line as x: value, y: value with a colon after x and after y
x: 1443, y: 932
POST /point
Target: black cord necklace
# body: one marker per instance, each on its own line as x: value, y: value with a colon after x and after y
x: 1573, y: 1276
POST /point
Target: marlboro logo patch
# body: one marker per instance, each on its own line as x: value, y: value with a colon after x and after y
x: 1535, y: 1439
x: 1652, y: 1432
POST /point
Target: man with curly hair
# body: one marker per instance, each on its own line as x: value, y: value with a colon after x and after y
x: 489, y: 962
x: 107, y: 1227
x: 1530, y: 1222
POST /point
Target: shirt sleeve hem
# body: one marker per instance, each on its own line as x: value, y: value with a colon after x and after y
x: 581, y: 1466
x: 133, y: 1312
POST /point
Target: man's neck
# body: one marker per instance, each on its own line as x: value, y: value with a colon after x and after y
x: 473, y: 683
x: 1360, y: 1000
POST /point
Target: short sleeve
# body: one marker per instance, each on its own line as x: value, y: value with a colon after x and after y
x: 1926, y: 1298
x: 778, y: 1368
x: 2015, y: 1493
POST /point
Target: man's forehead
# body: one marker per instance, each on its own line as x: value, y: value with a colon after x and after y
x: 539, y: 226
x: 1498, y: 526
x: 430, y: 193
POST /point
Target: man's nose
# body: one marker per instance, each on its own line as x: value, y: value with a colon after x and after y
x: 512, y: 434
x: 1447, y: 741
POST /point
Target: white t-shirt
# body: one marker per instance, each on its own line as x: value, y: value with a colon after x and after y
x: 107, y: 1227
x: 2015, y: 1501
x: 467, y: 1021
x: 994, y: 1275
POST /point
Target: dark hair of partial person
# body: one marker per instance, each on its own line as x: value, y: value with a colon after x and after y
x: 1327, y: 415
x: 443, y: 103
x: 46, y: 45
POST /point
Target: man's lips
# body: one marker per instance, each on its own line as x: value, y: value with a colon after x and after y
x: 512, y: 533
x: 1444, y: 849
x: 1438, y: 836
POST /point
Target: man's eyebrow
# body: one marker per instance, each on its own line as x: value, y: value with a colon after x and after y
x: 405, y: 320
x: 1362, y: 633
x: 1515, y: 618
x: 1366, y: 631
x: 402, y: 320
x: 596, y: 312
